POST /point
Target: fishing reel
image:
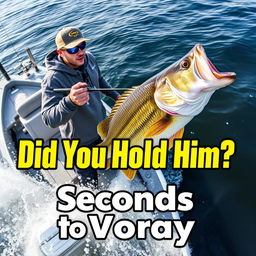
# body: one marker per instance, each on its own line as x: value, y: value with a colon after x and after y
x: 24, y: 67
x: 27, y: 65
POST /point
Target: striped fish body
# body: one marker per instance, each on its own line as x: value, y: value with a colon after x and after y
x: 136, y: 116
x: 131, y: 117
x: 163, y: 105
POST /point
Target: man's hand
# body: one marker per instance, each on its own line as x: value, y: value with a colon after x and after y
x: 79, y: 94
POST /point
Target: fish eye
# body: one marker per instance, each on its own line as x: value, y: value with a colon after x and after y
x: 185, y: 64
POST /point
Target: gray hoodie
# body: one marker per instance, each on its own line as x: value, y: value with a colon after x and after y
x: 76, y: 122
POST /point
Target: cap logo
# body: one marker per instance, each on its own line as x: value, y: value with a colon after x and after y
x: 73, y: 34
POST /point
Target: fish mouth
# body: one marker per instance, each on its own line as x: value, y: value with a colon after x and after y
x: 220, y: 75
x: 207, y: 71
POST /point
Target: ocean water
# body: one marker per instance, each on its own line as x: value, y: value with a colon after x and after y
x: 133, y: 40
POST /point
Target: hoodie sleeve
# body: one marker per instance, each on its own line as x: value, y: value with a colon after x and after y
x: 103, y: 83
x: 57, y: 109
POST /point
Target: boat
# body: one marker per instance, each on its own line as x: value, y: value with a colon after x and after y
x: 20, y: 116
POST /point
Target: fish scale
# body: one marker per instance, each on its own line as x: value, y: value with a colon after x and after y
x: 134, y: 116
x: 163, y: 105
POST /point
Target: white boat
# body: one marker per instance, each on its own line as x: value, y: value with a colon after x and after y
x: 20, y: 115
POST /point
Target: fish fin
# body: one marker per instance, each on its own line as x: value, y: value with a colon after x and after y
x: 102, y: 128
x: 108, y: 164
x: 121, y: 99
x: 158, y: 127
x: 129, y: 173
x: 177, y: 135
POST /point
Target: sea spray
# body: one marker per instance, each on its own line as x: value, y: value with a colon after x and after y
x: 28, y: 208
x: 21, y: 200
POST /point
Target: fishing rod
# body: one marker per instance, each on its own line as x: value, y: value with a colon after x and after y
x: 92, y: 89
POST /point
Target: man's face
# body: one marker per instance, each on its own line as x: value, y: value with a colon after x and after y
x: 73, y: 60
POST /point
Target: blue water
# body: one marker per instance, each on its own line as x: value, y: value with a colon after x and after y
x: 133, y: 40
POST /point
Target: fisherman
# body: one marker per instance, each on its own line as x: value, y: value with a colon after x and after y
x: 77, y: 113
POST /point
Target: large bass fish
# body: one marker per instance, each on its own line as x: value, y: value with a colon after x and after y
x: 164, y: 104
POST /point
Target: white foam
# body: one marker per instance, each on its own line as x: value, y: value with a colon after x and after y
x: 27, y: 208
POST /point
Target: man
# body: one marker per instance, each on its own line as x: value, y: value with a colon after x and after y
x: 78, y: 113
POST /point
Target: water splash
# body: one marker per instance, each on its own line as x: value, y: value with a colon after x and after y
x: 28, y: 207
